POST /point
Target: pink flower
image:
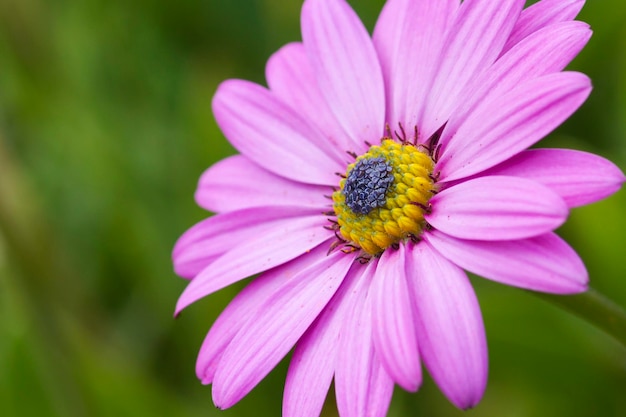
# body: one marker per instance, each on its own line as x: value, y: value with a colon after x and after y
x: 428, y: 122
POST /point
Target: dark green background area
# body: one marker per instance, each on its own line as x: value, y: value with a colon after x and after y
x: 105, y: 127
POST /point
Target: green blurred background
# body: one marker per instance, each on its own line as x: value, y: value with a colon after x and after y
x: 105, y: 127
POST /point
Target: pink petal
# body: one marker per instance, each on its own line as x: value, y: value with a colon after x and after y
x: 362, y: 386
x: 290, y: 76
x: 450, y: 326
x: 543, y: 263
x: 236, y: 183
x: 512, y: 123
x: 313, y: 362
x: 239, y: 311
x: 395, y: 338
x: 257, y: 253
x: 542, y: 14
x: 272, y: 134
x: 408, y: 38
x: 281, y: 320
x: 347, y: 68
x: 211, y: 238
x: 546, y: 51
x: 474, y: 42
x: 244, y: 307
x: 578, y: 177
x: 497, y: 208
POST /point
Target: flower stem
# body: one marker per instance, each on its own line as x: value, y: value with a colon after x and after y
x: 595, y: 308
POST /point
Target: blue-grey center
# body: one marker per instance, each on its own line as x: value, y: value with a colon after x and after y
x: 367, y: 184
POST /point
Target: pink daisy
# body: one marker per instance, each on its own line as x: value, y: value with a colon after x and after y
x: 373, y: 172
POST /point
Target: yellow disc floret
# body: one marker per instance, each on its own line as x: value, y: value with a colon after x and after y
x: 381, y: 201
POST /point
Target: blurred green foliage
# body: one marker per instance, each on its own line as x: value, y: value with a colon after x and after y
x: 105, y: 127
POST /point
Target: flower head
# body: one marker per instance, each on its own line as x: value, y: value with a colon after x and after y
x: 373, y: 172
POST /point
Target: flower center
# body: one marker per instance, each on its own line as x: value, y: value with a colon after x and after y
x: 366, y: 185
x: 384, y: 195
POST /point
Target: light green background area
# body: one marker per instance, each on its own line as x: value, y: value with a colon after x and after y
x: 105, y: 127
